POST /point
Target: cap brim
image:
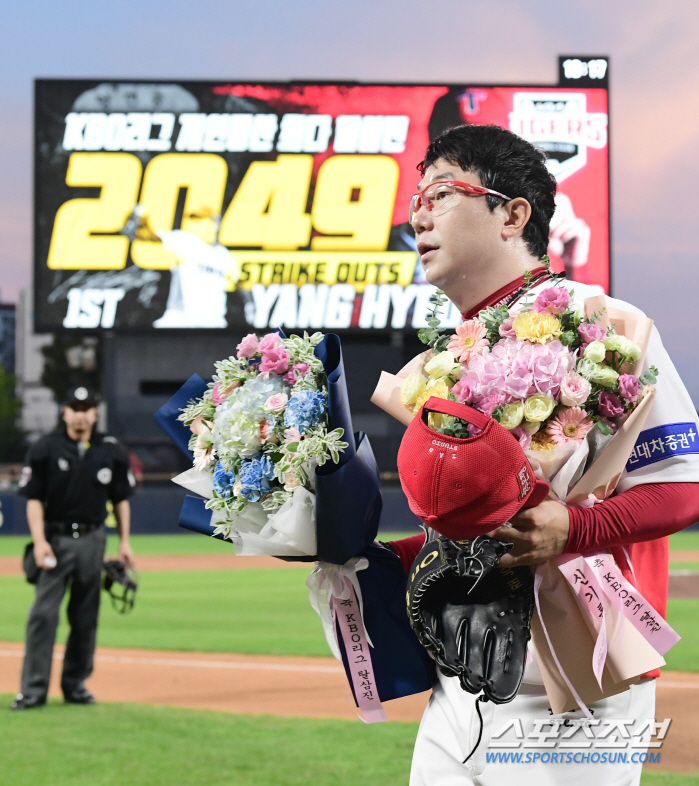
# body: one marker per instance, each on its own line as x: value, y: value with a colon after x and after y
x: 539, y: 494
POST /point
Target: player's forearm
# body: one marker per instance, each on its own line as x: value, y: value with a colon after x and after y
x: 645, y: 512
x: 35, y: 520
x: 122, y: 513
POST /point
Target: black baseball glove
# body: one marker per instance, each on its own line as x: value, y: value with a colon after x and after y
x: 472, y: 616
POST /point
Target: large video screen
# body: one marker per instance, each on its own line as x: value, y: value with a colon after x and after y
x: 210, y: 205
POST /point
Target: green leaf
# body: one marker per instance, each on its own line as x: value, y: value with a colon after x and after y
x: 604, y: 428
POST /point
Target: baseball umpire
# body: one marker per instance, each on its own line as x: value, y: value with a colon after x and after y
x: 68, y: 478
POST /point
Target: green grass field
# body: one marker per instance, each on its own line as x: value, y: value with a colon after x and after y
x: 250, y: 611
x: 165, y: 545
x: 247, y: 611
x: 136, y: 745
x: 118, y: 744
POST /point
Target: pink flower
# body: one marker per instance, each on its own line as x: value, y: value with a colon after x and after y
x: 274, y: 360
x: 554, y: 300
x: 270, y: 341
x: 295, y: 373
x: 218, y: 396
x: 198, y: 425
x: 248, y: 346
x: 522, y: 436
x: 629, y: 387
x: 591, y: 331
x: 276, y: 403
x: 467, y: 390
x: 491, y: 402
x: 610, y: 406
x: 575, y: 389
x: 470, y: 340
x: 292, y: 435
x: 506, y: 330
x: 571, y: 425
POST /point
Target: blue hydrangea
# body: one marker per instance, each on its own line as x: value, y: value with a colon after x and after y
x: 223, y: 482
x: 304, y: 410
x: 255, y: 477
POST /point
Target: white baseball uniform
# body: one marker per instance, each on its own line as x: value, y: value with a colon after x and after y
x: 667, y: 451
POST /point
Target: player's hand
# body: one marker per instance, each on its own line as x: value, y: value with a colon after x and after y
x: 43, y: 553
x: 539, y: 534
x: 125, y: 554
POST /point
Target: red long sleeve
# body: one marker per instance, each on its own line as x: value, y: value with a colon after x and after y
x: 408, y: 548
x: 646, y: 512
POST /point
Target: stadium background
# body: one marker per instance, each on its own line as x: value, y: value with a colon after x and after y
x: 194, y: 610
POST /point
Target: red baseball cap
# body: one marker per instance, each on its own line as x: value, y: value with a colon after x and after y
x: 465, y: 487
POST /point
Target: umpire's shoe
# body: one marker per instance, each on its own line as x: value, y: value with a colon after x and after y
x: 27, y: 702
x: 80, y: 696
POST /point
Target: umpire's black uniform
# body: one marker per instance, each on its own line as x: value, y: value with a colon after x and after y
x: 73, y: 484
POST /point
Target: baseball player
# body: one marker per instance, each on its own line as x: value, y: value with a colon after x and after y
x: 477, y: 244
x: 69, y: 477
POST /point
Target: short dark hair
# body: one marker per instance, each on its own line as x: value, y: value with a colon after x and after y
x: 504, y: 162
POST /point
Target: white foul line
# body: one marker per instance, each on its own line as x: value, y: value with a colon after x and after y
x: 201, y: 664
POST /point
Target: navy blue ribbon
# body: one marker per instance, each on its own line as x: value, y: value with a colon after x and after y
x: 166, y: 416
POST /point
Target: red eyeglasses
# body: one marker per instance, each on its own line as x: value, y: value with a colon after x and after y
x: 437, y: 196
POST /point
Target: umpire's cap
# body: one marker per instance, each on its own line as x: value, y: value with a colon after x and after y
x: 81, y: 395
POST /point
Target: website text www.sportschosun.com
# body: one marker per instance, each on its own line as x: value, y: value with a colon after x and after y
x: 572, y: 757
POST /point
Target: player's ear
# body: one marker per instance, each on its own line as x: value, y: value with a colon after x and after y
x: 517, y: 213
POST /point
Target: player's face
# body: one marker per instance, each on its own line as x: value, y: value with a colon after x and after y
x: 80, y: 419
x: 462, y: 240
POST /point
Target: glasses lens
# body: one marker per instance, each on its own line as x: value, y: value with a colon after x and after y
x: 414, y: 207
x: 439, y: 197
x: 436, y: 198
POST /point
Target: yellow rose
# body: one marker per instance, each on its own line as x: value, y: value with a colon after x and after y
x: 535, y: 327
x: 439, y: 390
x: 512, y: 415
x: 441, y: 365
x: 411, y: 388
x: 538, y: 407
x: 448, y: 381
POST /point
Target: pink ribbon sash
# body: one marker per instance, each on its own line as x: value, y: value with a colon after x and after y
x: 584, y: 582
x: 637, y: 610
x: 348, y: 616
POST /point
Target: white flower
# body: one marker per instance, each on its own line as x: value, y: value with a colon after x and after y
x: 441, y: 365
x: 291, y: 480
x: 595, y: 351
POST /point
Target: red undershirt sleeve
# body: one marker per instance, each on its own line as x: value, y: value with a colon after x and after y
x: 408, y: 548
x: 645, y: 512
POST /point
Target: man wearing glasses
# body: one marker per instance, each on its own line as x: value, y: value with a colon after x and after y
x: 481, y: 218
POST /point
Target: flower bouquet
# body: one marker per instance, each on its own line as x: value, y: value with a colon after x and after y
x: 567, y: 383
x: 262, y: 434
x: 562, y: 382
